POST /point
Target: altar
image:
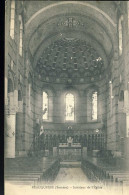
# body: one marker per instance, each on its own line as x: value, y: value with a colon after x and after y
x: 72, y: 152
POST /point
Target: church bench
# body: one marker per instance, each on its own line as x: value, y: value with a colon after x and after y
x: 91, y: 170
x: 118, y: 178
x: 112, y: 175
x: 124, y: 183
x: 22, y: 183
x: 122, y: 179
x: 24, y: 173
x: 23, y: 180
x: 23, y: 176
x: 49, y: 173
x: 27, y: 174
x: 108, y: 172
x: 99, y: 171
x: 46, y: 169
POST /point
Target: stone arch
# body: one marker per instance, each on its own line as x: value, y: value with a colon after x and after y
x: 11, y: 78
x: 86, y: 8
x: 87, y: 5
x: 121, y: 95
x: 70, y: 89
x: 49, y: 89
x: 90, y: 89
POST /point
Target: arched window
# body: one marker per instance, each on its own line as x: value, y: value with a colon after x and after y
x: 12, y: 19
x: 120, y: 35
x: 20, y: 102
x: 10, y: 93
x: 45, y: 106
x: 111, y: 95
x: 94, y: 105
x: 10, y: 86
x: 69, y: 107
x: 19, y: 95
x: 128, y: 16
x: 29, y: 93
x: 20, y: 35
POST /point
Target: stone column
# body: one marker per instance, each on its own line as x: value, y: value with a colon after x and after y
x: 80, y: 107
x: 59, y: 109
x: 19, y: 133
x: 16, y: 99
x: 55, y: 153
x: 7, y: 7
x: 25, y: 106
x: 84, y: 152
x: 126, y: 142
x: 10, y: 122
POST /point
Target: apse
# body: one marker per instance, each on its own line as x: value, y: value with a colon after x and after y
x: 70, y: 61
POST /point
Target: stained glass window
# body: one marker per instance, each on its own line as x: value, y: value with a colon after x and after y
x: 120, y: 35
x: 128, y: 16
x: 10, y: 86
x: 29, y: 92
x: 12, y: 19
x: 21, y: 35
x: 94, y: 105
x: 69, y: 107
x: 45, y: 105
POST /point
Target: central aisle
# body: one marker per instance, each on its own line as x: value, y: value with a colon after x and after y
x: 71, y: 175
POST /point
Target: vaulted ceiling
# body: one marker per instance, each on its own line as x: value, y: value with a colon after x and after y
x: 56, y: 32
x: 70, y: 60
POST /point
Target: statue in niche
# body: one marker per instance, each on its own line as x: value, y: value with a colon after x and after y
x: 69, y: 141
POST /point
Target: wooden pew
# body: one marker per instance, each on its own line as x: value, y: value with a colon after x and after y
x: 99, y: 171
x: 46, y: 170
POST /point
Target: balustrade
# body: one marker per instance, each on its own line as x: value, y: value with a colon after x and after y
x: 48, y: 141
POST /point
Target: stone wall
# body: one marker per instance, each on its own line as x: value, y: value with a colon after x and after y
x: 17, y: 72
x: 118, y: 111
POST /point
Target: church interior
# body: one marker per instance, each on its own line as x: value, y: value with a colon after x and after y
x: 67, y: 91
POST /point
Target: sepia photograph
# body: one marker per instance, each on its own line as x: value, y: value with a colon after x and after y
x: 66, y: 106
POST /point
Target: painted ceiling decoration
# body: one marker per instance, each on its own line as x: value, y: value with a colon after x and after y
x: 70, y: 22
x: 70, y: 61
